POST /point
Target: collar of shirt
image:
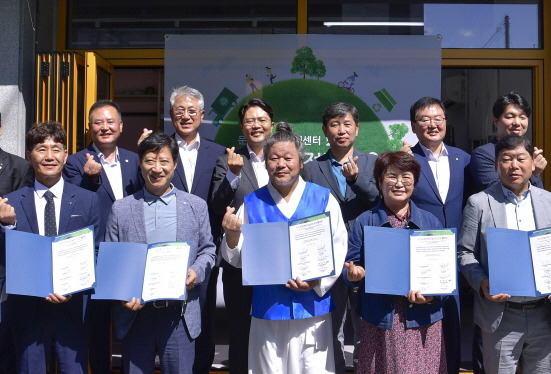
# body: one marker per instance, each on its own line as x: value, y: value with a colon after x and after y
x: 430, y: 156
x: 101, y: 156
x: 511, y: 197
x: 149, y: 198
x: 288, y: 208
x: 254, y: 157
x: 333, y: 161
x: 56, y: 189
x: 183, y: 145
x: 337, y: 172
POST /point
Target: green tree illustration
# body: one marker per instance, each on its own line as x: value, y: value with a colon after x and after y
x: 318, y: 69
x: 397, y: 132
x: 303, y: 61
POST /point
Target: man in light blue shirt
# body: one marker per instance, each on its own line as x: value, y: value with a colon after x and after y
x: 160, y: 213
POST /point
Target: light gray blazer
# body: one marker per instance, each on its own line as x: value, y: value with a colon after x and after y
x: 487, y: 209
x: 126, y: 223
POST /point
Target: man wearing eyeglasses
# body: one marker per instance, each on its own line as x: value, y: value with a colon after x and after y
x: 112, y: 173
x: 441, y: 190
x: 195, y: 167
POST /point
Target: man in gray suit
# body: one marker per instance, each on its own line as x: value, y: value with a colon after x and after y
x: 159, y: 213
x: 348, y: 173
x: 237, y: 174
x: 514, y: 328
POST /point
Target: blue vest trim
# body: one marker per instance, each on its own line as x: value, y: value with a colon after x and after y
x: 277, y: 302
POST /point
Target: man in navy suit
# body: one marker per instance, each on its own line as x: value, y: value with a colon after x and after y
x: 511, y: 116
x: 112, y: 173
x: 441, y: 190
x: 56, y: 322
x: 348, y: 174
x: 196, y: 162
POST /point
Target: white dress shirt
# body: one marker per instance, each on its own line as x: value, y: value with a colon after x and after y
x: 188, y: 157
x: 113, y: 172
x: 440, y: 169
x: 259, y: 168
x: 40, y: 202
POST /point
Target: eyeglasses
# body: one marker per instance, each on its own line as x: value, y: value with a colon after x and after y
x: 405, y: 179
x: 425, y: 121
x: 180, y: 113
x: 262, y: 121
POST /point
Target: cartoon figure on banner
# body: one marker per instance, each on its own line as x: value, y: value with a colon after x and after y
x: 348, y: 83
x: 225, y: 100
x: 250, y: 82
x: 270, y: 75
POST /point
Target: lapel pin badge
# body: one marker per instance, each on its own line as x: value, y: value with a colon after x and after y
x: 126, y: 160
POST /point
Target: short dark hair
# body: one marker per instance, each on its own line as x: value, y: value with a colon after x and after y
x: 512, y: 98
x: 513, y: 141
x: 339, y: 110
x: 402, y: 161
x: 100, y: 104
x: 157, y: 141
x: 284, y: 133
x: 252, y: 103
x: 423, y: 103
x: 41, y: 131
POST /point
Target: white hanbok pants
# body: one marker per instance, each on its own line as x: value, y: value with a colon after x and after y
x: 297, y: 346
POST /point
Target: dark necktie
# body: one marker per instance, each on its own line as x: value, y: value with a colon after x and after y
x: 49, y: 215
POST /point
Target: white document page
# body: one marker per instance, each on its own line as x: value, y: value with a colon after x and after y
x: 540, y: 246
x: 311, y: 248
x: 166, y: 272
x: 433, y: 262
x: 73, y: 262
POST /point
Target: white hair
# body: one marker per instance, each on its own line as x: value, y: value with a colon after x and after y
x: 186, y: 91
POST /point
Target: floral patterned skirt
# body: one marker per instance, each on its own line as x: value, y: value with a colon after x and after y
x: 400, y: 350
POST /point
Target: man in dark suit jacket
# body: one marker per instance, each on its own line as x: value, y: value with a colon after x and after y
x: 237, y: 174
x: 15, y: 172
x: 56, y: 322
x: 112, y: 173
x: 511, y: 116
x: 442, y: 189
x: 348, y: 173
x: 196, y: 162
x: 103, y: 167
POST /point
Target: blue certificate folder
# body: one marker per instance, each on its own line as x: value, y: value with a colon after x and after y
x: 120, y: 271
x: 387, y: 260
x: 266, y: 253
x: 29, y: 262
x: 510, y: 262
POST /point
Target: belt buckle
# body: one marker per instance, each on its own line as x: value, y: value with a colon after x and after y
x: 526, y: 308
x: 160, y: 305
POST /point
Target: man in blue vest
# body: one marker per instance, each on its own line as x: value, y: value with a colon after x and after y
x: 291, y: 324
